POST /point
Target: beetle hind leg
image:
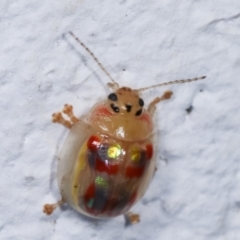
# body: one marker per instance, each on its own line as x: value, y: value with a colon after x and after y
x: 151, y: 107
x: 131, y: 218
x: 49, y: 208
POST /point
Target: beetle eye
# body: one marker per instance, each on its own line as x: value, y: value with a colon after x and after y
x: 112, y: 96
x: 141, y: 102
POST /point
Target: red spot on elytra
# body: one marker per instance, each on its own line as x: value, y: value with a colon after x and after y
x: 149, y: 151
x: 93, y: 143
x: 104, y: 166
x: 89, y: 193
x: 89, y: 198
x: 132, y: 171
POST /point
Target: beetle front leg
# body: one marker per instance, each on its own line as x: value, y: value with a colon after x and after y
x: 68, y: 110
x: 58, y: 117
x: 151, y: 107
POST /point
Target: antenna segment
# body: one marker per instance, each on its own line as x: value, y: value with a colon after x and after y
x: 114, y: 84
x: 172, y: 82
x: 93, y: 56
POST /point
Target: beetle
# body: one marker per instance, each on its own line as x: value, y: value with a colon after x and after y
x: 109, y: 156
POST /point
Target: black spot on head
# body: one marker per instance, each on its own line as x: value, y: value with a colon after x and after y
x: 128, y: 107
x: 138, y: 112
x: 114, y: 108
x: 112, y: 96
x: 141, y: 102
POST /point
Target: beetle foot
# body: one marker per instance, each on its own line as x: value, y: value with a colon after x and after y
x: 68, y: 110
x: 49, y: 208
x: 58, y: 118
x: 167, y: 95
x: 131, y: 218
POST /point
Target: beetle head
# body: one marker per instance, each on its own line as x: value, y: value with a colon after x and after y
x: 126, y: 101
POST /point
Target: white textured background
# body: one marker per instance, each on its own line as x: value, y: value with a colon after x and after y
x: 195, y: 194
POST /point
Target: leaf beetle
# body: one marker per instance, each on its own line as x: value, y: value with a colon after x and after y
x: 109, y: 156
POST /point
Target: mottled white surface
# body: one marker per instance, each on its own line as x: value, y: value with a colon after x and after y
x: 195, y: 194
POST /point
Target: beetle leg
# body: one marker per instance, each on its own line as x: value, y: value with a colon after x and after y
x: 58, y: 118
x: 68, y: 110
x: 151, y: 107
x: 49, y: 208
x: 131, y: 218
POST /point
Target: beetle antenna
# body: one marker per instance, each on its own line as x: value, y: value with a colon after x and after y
x: 96, y: 60
x: 172, y: 82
